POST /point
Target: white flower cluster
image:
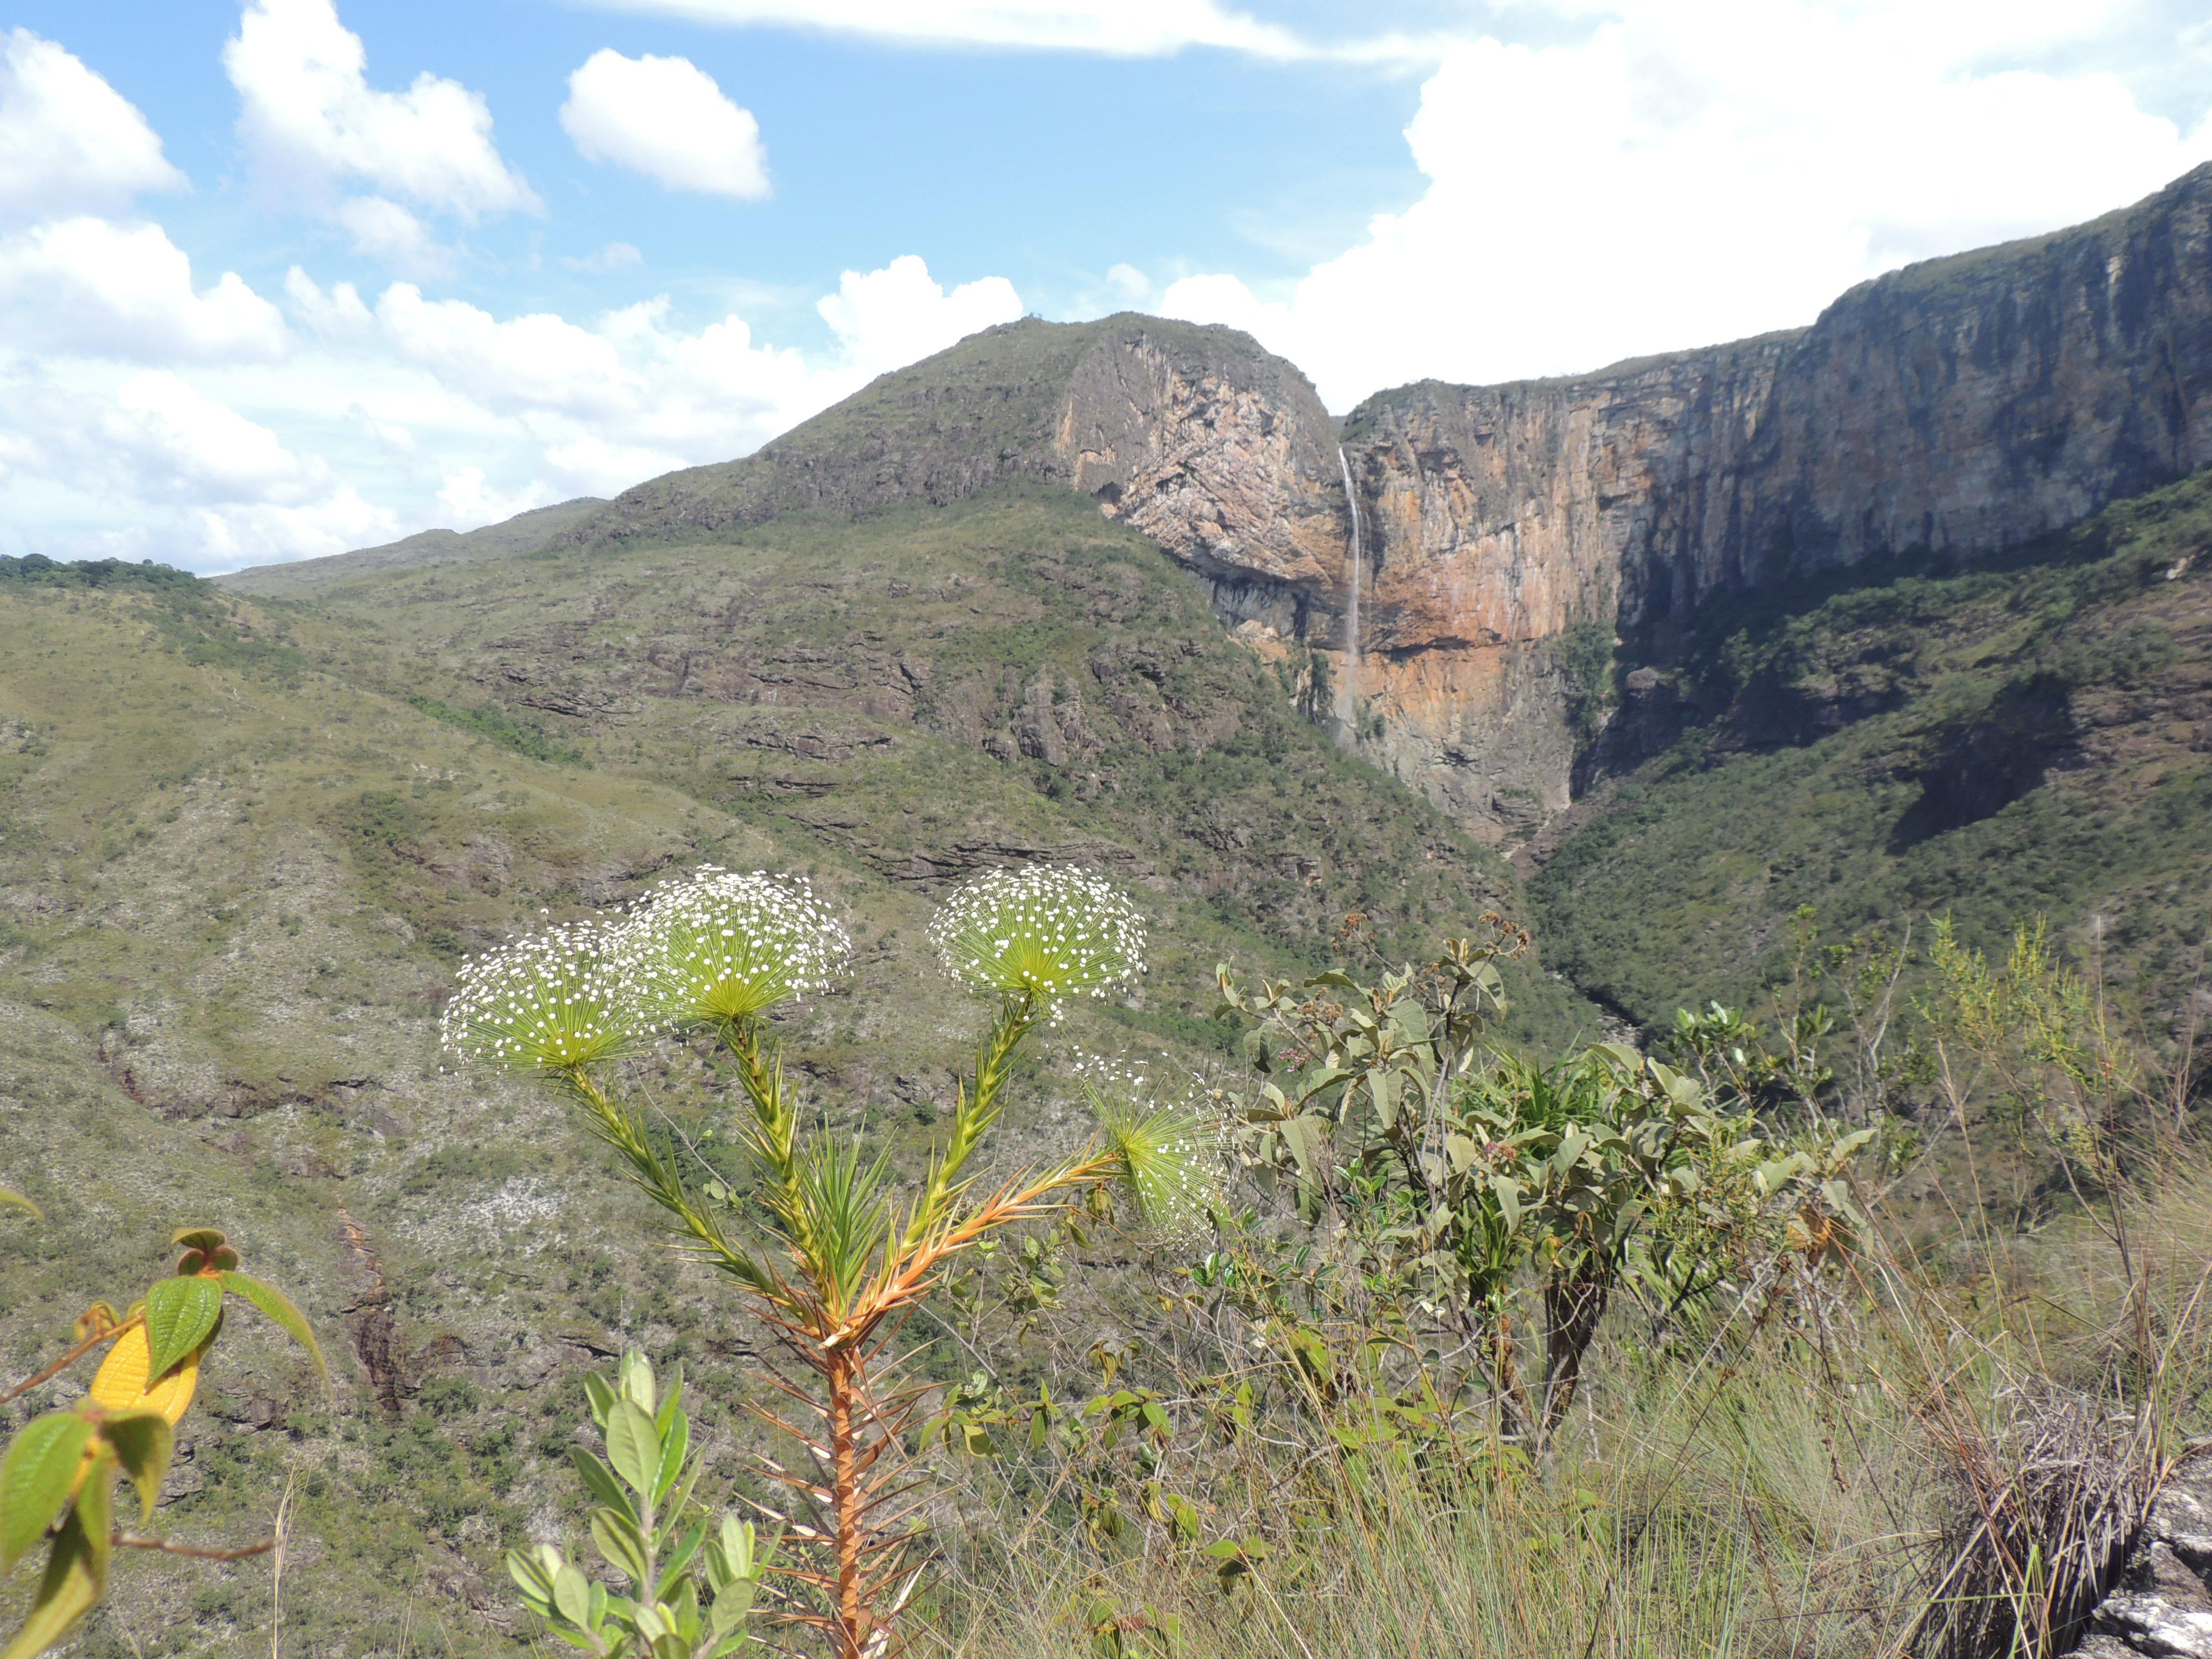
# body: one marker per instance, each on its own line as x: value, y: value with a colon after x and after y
x: 554, y: 1001
x: 707, y: 947
x: 1171, y: 1139
x: 721, y: 946
x: 1050, y: 930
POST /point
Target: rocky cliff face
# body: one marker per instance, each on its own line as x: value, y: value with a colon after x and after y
x: 1954, y: 407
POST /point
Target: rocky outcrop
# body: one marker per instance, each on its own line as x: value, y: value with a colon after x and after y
x: 2162, y: 1605
x: 1954, y: 407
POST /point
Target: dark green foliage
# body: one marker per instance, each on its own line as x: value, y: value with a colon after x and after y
x: 1586, y: 652
x: 497, y: 724
x: 2025, y: 738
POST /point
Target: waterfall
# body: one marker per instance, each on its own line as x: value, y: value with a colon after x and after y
x: 1347, y: 696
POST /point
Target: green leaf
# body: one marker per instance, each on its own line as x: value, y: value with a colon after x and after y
x: 602, y: 1395
x: 179, y: 1314
x: 632, y: 1447
x: 671, y: 1399
x: 619, y: 1542
x: 686, y: 1548
x: 35, y: 1480
x: 144, y: 1444
x: 572, y: 1597
x: 274, y: 1302
x: 76, y: 1573
x: 1384, y: 1087
x: 14, y: 1200
x: 601, y: 1479
x: 676, y: 1439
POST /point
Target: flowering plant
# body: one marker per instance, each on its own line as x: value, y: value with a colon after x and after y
x: 846, y: 1258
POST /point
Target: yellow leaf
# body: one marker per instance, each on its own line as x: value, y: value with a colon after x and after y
x: 121, y: 1385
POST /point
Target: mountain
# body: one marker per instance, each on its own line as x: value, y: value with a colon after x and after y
x: 244, y: 841
x: 1956, y: 407
x: 523, y: 533
x: 1900, y: 611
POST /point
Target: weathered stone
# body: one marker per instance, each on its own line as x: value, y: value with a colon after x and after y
x: 2162, y: 1605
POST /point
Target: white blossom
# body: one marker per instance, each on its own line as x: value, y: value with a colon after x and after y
x: 1050, y: 930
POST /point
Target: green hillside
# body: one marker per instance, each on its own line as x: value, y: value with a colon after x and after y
x: 2031, y: 736
x: 243, y: 844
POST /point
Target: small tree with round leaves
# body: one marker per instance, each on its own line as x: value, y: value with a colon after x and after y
x: 843, y: 1258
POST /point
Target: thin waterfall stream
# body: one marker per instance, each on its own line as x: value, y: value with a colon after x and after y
x: 1347, y: 699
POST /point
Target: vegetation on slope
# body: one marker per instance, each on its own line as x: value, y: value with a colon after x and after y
x: 2032, y: 736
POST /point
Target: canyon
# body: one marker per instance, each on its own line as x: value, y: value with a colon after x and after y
x: 1954, y: 408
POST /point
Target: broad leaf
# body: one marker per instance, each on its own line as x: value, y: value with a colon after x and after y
x: 179, y: 1314
x: 76, y: 1575
x: 633, y: 1448
x: 601, y: 1479
x: 143, y: 1442
x: 274, y: 1302
x: 619, y: 1543
x: 36, y: 1479
x: 572, y: 1595
x: 125, y: 1380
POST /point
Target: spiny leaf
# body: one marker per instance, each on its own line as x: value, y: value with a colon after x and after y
x: 179, y: 1314
x: 274, y: 1302
x: 36, y: 1478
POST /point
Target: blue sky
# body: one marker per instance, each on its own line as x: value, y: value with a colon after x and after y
x: 282, y: 276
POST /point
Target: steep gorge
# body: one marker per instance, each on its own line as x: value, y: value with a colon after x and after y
x: 1956, y: 407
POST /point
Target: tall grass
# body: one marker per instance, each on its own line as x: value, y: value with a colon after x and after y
x: 1941, y: 1453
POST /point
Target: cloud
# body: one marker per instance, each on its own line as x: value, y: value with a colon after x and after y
x: 469, y: 504
x: 615, y: 256
x: 125, y: 292
x: 315, y: 126
x: 1129, y: 284
x: 1727, y: 168
x: 665, y: 118
x: 888, y: 318
x: 430, y: 410
x: 1120, y: 28
x: 68, y: 141
x: 392, y: 236
x: 541, y: 360
x: 205, y: 487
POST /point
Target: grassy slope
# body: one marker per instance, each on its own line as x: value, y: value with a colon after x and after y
x: 243, y: 844
x: 2028, y: 739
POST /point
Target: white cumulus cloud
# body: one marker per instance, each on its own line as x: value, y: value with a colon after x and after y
x: 99, y: 289
x: 205, y: 487
x: 468, y: 503
x: 888, y: 318
x: 1120, y: 28
x: 665, y: 118
x: 68, y: 141
x: 1722, y: 169
x: 315, y: 127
